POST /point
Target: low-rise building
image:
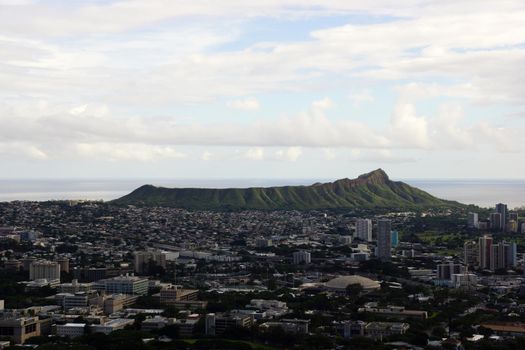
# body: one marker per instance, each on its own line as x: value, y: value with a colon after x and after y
x: 71, y: 330
x: 187, y: 325
x: 127, y: 284
x: 217, y: 324
x: 380, y: 330
x: 506, y: 328
x: 75, y: 287
x: 112, y: 325
x: 156, y: 322
x: 393, y: 311
x: 80, y: 299
x: 296, y: 326
x: 17, y: 327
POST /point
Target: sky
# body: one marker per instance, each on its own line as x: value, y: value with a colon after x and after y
x: 262, y: 88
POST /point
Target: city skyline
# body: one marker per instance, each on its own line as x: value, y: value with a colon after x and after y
x: 281, y: 89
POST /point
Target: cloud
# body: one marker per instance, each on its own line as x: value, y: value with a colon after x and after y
x: 93, y: 131
x: 206, y: 155
x: 15, y: 150
x: 119, y: 152
x: 360, y: 97
x: 381, y: 156
x: 108, y: 79
x: 329, y: 154
x: 408, y: 129
x: 247, y: 104
x: 290, y: 154
x: 254, y: 153
x: 325, y: 103
x: 477, y: 47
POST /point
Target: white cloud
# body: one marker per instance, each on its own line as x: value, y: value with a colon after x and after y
x: 325, y: 103
x: 247, y: 104
x: 479, y: 49
x: 206, y: 155
x: 76, y: 79
x: 78, y: 110
x: 360, y: 97
x: 408, y: 129
x: 329, y: 154
x: 15, y: 150
x: 94, y: 131
x: 254, y: 153
x: 134, y: 152
x: 290, y: 154
x: 381, y: 156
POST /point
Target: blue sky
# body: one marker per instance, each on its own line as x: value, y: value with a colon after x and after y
x: 261, y: 89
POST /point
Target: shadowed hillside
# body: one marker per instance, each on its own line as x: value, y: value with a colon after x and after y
x: 370, y: 190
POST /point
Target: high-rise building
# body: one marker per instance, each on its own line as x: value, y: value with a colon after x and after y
x: 484, y: 225
x: 363, y: 229
x: 209, y: 325
x: 64, y: 264
x: 473, y: 220
x: 384, y: 240
x: 145, y: 259
x: 464, y: 280
x: 496, y: 221
x: 263, y: 242
x: 502, y: 210
x: 26, y: 263
x: 395, y: 239
x: 471, y: 253
x: 302, y: 257
x: 512, y: 252
x: 445, y: 271
x: 12, y: 265
x: 485, y: 251
x: 503, y: 256
x: 48, y: 270
x: 513, y: 216
x: 512, y: 226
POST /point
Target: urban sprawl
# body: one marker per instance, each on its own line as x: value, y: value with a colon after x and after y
x: 90, y: 275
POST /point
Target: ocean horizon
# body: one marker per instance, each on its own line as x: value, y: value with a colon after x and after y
x: 481, y: 192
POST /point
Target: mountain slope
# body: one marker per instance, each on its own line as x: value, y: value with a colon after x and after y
x: 370, y: 190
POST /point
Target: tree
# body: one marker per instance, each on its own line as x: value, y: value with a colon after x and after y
x: 354, y: 289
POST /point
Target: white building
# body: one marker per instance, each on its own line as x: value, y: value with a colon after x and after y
x: 363, y: 229
x: 464, y: 280
x: 126, y: 285
x: 75, y: 287
x: 48, y: 270
x: 302, y: 257
x: 111, y: 326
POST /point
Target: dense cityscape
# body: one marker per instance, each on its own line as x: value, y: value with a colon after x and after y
x: 215, y: 175
x: 81, y: 274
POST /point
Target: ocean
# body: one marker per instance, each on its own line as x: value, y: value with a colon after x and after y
x: 485, y: 193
